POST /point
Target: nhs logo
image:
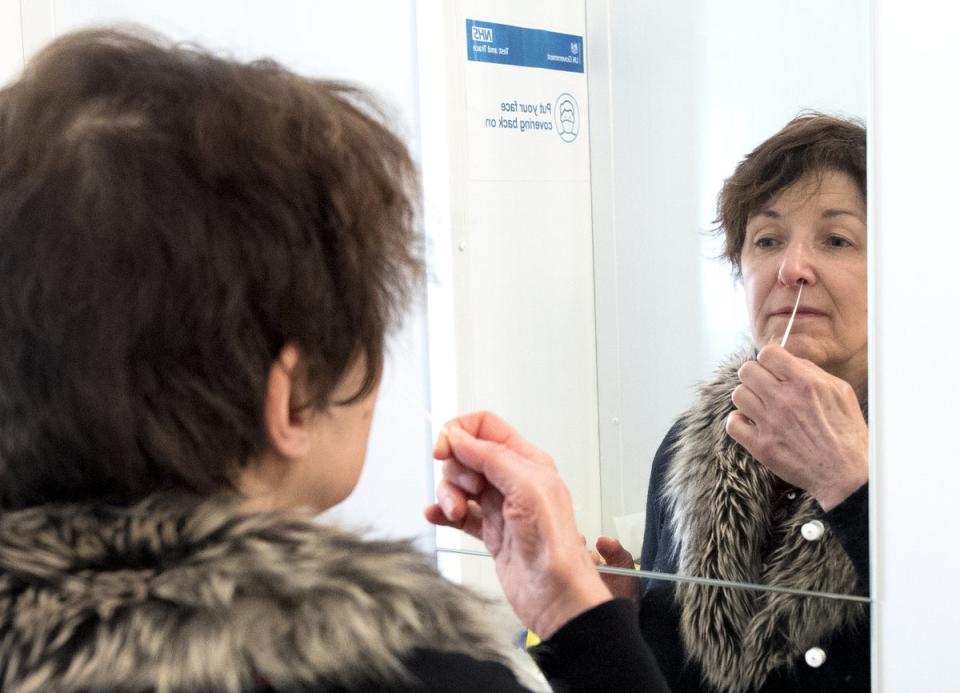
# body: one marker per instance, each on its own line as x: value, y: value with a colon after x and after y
x: 484, y: 34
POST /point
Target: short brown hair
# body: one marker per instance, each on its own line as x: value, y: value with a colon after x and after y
x: 169, y: 220
x: 811, y: 143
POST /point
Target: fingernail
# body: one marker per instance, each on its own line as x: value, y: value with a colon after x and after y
x: 455, y: 433
x: 447, y: 504
x: 467, y: 482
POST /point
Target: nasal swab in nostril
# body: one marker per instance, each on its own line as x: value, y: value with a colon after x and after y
x: 783, y: 342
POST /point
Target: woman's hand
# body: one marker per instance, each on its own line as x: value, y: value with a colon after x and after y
x: 802, y: 423
x: 501, y: 489
x: 613, y: 554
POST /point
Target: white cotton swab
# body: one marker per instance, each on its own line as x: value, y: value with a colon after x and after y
x: 783, y: 342
x: 426, y: 412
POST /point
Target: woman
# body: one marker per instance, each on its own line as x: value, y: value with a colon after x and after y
x: 764, y: 479
x: 200, y: 262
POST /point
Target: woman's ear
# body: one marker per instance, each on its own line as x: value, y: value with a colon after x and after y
x: 284, y: 419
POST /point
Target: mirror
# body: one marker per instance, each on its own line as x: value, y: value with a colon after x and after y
x: 792, y: 639
x: 691, y: 90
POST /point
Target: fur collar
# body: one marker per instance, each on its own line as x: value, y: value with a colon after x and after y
x: 171, y: 596
x: 721, y: 502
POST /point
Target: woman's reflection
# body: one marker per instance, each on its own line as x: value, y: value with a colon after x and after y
x: 764, y: 479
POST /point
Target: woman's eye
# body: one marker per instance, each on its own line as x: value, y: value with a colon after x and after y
x: 838, y: 242
x: 765, y: 242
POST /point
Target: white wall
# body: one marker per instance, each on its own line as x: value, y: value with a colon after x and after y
x: 374, y: 44
x: 693, y: 86
x: 11, y: 40
x: 916, y: 379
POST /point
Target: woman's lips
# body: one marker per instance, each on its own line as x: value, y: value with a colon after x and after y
x: 801, y: 313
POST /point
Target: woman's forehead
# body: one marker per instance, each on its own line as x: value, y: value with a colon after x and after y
x: 829, y: 194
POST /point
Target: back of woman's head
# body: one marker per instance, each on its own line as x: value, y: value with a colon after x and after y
x: 169, y: 220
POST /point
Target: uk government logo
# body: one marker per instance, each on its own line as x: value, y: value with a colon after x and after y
x: 567, y: 115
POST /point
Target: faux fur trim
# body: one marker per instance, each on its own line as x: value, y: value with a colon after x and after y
x: 168, y: 596
x: 721, y: 502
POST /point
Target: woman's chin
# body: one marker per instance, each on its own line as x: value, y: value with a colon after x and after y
x: 801, y: 345
x: 807, y: 349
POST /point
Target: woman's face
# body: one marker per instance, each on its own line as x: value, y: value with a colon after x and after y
x: 813, y: 232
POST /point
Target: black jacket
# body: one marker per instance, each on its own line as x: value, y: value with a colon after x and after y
x: 600, y: 650
x: 847, y: 665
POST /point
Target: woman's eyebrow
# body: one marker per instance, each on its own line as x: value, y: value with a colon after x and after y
x: 761, y: 214
x: 833, y: 213
x: 768, y: 213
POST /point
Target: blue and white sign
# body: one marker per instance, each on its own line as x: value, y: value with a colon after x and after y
x: 515, y: 45
x: 527, y: 113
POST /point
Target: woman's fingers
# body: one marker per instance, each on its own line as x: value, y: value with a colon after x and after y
x: 780, y: 362
x: 758, y: 378
x: 740, y: 428
x: 748, y: 403
x: 454, y: 472
x: 436, y: 516
x: 496, y: 462
x: 616, y: 556
x: 454, y: 491
x: 441, y: 448
x: 453, y: 501
x: 485, y: 425
x: 613, y: 553
x: 471, y: 522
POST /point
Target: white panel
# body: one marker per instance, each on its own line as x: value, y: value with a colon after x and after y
x: 655, y: 80
x: 532, y: 356
x: 915, y: 364
x: 373, y: 43
x: 523, y: 268
x: 37, y: 23
x: 512, y: 252
x: 11, y: 40
x: 438, y: 118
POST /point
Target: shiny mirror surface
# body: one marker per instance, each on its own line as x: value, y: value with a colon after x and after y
x: 734, y: 624
x: 692, y: 89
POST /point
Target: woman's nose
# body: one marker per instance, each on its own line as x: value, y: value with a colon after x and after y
x: 797, y: 265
